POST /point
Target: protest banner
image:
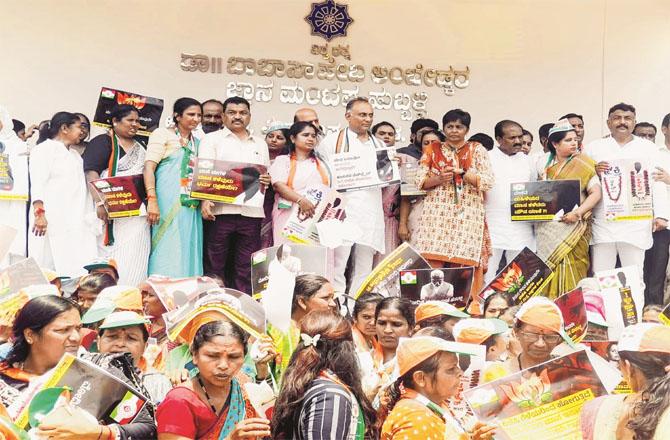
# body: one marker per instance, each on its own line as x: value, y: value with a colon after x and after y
x: 149, y: 109
x: 451, y: 285
x: 608, y: 350
x: 237, y: 306
x: 124, y: 196
x: 623, y: 296
x: 627, y: 192
x: 13, y: 176
x: 328, y: 205
x: 362, y: 170
x: 235, y: 183
x: 11, y: 304
x: 385, y: 277
x: 298, y: 259
x: 19, y: 275
x: 94, y: 390
x: 523, y: 277
x: 544, y: 200
x: 175, y: 292
x: 542, y: 402
x: 573, y: 310
x: 408, y: 171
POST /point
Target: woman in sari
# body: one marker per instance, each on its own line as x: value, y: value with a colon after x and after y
x: 212, y: 405
x: 455, y: 175
x: 176, y: 238
x: 276, y: 139
x: 45, y: 329
x: 321, y: 396
x: 117, y: 153
x: 564, y: 245
x: 644, y: 351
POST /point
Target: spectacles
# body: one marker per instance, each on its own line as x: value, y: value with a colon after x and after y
x: 534, y: 337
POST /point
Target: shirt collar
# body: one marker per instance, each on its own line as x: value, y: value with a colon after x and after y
x: 225, y: 132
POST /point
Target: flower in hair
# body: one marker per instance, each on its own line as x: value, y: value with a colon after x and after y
x: 308, y: 340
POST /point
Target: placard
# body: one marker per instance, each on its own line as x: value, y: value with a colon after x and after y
x: 13, y: 175
x: 573, y: 310
x: 627, y: 190
x: 408, y: 170
x: 235, y: 183
x: 176, y: 292
x: 542, y: 402
x: 124, y: 196
x: 149, y: 109
x: 622, y: 291
x: 450, y: 285
x: 297, y: 258
x: 107, y: 398
x: 328, y: 204
x: 19, y: 275
x: 664, y: 316
x: 385, y: 277
x: 523, y: 277
x: 361, y: 170
x: 543, y: 200
x: 609, y: 351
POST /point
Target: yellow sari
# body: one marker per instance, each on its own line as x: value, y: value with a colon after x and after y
x: 565, y: 247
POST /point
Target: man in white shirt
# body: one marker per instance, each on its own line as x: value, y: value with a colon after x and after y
x: 509, y: 165
x: 577, y: 122
x: 233, y: 232
x: 656, y: 258
x: 365, y: 218
x: 627, y: 239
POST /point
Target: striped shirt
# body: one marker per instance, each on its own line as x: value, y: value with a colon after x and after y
x: 327, y: 412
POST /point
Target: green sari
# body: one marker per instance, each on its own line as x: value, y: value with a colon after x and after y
x: 565, y: 247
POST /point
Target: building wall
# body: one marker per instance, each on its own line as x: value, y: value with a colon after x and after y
x: 530, y: 60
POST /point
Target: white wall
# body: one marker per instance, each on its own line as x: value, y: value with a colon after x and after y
x: 530, y: 60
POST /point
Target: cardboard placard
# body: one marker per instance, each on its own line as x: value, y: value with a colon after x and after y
x: 235, y: 183
x: 328, y: 205
x: 297, y: 258
x: 573, y: 309
x: 362, y: 170
x: 545, y: 200
x: 124, y: 196
x: 450, y: 285
x: 149, y: 109
x: 627, y: 190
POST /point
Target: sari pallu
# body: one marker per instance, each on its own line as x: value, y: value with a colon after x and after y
x: 176, y: 242
x: 565, y: 247
x: 237, y: 409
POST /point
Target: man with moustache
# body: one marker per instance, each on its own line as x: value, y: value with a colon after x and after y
x: 364, y: 224
x: 212, y: 115
x: 646, y: 131
x: 577, y: 122
x: 627, y: 239
x: 414, y: 149
x: 233, y: 232
x: 509, y: 165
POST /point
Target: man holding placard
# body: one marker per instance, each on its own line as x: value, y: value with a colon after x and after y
x: 365, y: 216
x: 624, y: 165
x: 233, y: 229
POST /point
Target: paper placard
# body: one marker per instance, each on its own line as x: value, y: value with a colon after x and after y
x: 361, y: 170
x: 124, y: 196
x: 543, y: 200
x: 234, y: 183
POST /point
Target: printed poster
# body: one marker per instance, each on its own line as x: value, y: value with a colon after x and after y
x: 664, y: 316
x: 523, y: 277
x: 124, y: 196
x: 573, y: 310
x: 13, y: 174
x: 545, y: 200
x: 627, y: 190
x: 235, y: 183
x: 297, y: 258
x: 450, y: 285
x: 622, y: 291
x: 362, y: 170
x: 19, y: 275
x: 107, y: 398
x: 385, y: 277
x: 149, y: 109
x: 176, y: 292
x: 408, y: 171
x: 609, y: 351
x: 329, y: 205
x: 542, y: 402
x: 237, y: 306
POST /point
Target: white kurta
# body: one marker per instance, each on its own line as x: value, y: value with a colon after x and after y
x: 506, y: 234
x: 635, y: 232
x: 12, y: 207
x: 365, y: 216
x: 57, y: 179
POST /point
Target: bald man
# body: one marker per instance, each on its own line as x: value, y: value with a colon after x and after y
x: 308, y: 114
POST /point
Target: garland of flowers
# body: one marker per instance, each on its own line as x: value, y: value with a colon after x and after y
x: 607, y: 187
x: 636, y: 183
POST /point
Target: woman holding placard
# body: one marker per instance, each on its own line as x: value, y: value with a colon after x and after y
x: 293, y: 174
x: 117, y: 153
x: 176, y: 238
x: 564, y: 245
